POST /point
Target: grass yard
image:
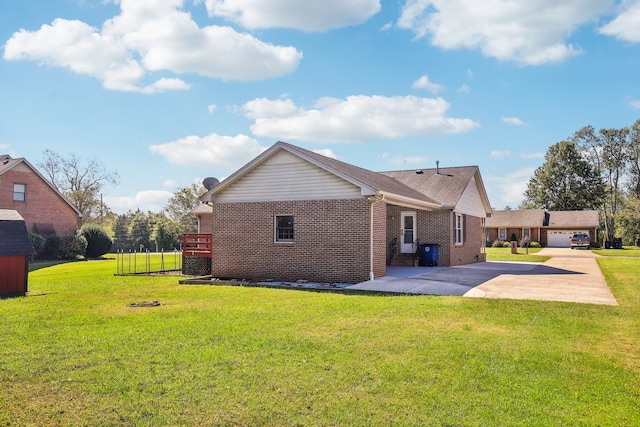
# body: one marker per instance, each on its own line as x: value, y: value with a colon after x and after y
x: 523, y: 255
x: 75, y: 353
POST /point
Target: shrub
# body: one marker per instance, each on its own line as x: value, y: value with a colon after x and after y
x: 506, y: 245
x: 513, y: 237
x: 37, y: 241
x: 525, y: 242
x: 98, y: 240
x: 535, y: 245
x: 52, y: 246
x: 72, y: 245
x: 497, y: 244
x: 595, y: 245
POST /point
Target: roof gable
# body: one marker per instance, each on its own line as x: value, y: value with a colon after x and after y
x: 425, y: 189
x: 8, y: 163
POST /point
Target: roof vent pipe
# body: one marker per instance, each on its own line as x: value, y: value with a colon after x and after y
x: 437, y: 167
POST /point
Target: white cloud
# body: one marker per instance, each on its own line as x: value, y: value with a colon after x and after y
x: 512, y: 121
x: 3, y: 146
x: 151, y: 36
x: 211, y: 108
x: 146, y: 201
x: 326, y: 152
x: 211, y: 151
x: 464, y: 89
x: 356, y: 118
x: 424, y: 83
x: 529, y: 33
x: 499, y: 155
x: 635, y: 104
x: 511, y: 186
x: 402, y: 160
x: 625, y: 26
x: 170, y: 183
x: 309, y: 15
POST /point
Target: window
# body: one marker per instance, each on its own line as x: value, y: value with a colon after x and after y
x: 284, y: 228
x: 19, y: 192
x: 526, y: 233
x: 459, y: 229
x: 502, y: 234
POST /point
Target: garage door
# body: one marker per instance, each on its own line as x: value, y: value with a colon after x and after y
x: 560, y: 238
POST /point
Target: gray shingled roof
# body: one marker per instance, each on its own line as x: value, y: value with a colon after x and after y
x: 535, y: 218
x: 444, y: 185
x: 516, y: 218
x: 427, y: 187
x: 14, y: 238
x: 574, y: 219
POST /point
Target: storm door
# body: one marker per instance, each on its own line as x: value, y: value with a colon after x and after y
x: 408, y: 232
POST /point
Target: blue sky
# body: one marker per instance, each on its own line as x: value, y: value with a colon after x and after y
x: 168, y: 92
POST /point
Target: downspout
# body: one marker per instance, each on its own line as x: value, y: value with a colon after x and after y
x: 372, y: 200
x: 371, y: 275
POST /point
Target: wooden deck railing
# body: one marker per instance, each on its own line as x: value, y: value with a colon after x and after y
x: 197, y: 245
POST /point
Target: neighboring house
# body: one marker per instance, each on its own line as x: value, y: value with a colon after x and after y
x: 552, y: 228
x: 15, y: 250
x: 44, y: 209
x: 292, y: 214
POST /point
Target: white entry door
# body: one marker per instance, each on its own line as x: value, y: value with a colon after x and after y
x: 408, y: 233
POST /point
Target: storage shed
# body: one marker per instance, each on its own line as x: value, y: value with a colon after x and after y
x: 15, y: 249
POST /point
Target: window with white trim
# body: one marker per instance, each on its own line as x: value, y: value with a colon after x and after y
x: 526, y: 233
x: 502, y: 234
x: 459, y: 229
x: 19, y: 192
x: 284, y: 228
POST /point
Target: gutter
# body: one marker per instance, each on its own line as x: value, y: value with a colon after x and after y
x: 372, y: 200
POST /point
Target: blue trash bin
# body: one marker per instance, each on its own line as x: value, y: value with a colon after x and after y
x: 429, y: 255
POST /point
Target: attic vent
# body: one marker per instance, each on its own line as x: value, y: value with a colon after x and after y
x: 210, y: 182
x: 419, y: 172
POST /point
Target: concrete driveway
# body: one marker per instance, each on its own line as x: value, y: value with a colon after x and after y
x: 571, y: 276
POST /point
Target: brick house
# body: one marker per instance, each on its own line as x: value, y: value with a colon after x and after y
x: 15, y: 250
x: 293, y: 214
x: 553, y: 228
x: 45, y: 210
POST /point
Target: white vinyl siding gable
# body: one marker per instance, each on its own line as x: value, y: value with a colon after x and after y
x: 470, y: 202
x: 285, y: 176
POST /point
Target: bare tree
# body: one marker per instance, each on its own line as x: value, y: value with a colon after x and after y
x: 79, y: 181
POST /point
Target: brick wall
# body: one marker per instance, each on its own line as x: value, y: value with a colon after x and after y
x: 469, y: 252
x: 205, y: 223
x: 331, y: 241
x: 436, y: 227
x: 42, y: 204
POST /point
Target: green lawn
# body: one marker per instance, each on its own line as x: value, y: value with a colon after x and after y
x: 75, y: 353
x: 523, y: 255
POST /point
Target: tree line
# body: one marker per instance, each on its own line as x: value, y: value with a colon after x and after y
x: 593, y: 170
x: 82, y: 182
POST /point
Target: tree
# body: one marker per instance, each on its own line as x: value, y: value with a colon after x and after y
x: 608, y: 150
x: 165, y: 235
x: 181, y: 203
x: 98, y: 240
x: 566, y: 181
x: 628, y: 220
x: 140, y: 228
x: 634, y: 159
x: 80, y: 182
